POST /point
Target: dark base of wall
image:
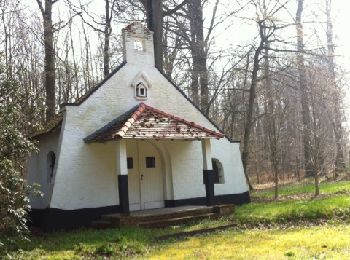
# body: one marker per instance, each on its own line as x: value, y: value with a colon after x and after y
x: 52, y: 219
x: 236, y: 199
x: 57, y: 219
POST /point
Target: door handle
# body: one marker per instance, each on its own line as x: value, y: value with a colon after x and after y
x: 141, y: 177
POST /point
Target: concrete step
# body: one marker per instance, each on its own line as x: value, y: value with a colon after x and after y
x: 162, y: 215
x: 175, y: 220
x: 101, y: 224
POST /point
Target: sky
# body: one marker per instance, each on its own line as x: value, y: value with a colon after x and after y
x: 342, y: 30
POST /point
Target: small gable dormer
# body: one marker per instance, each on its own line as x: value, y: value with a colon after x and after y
x: 141, y: 86
x: 138, y: 44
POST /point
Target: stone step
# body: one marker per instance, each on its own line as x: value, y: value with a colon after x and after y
x: 101, y: 224
x: 175, y: 221
x: 160, y: 216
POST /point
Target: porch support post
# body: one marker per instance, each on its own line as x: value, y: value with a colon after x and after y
x: 208, y: 172
x: 122, y: 171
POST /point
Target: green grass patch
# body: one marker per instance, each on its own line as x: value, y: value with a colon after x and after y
x: 86, y: 244
x: 330, y: 241
x: 292, y: 210
x: 326, y: 242
x: 294, y: 189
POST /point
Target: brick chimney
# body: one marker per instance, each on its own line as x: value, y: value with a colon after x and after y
x: 138, y: 44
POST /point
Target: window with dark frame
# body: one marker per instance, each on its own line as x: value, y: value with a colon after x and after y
x: 150, y: 162
x: 141, y: 90
x: 217, y: 172
x: 51, y: 160
x: 130, y: 163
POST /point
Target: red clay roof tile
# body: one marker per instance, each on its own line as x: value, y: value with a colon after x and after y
x: 146, y: 122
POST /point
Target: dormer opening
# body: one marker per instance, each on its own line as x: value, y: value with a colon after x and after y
x: 141, y: 86
x: 141, y: 91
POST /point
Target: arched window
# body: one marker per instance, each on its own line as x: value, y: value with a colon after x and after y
x: 141, y: 90
x: 51, y: 161
x: 141, y: 85
x: 218, y: 171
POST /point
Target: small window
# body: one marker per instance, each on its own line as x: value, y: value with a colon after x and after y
x: 138, y: 45
x: 141, y: 90
x: 218, y: 171
x: 150, y: 162
x: 51, y: 161
x: 130, y: 163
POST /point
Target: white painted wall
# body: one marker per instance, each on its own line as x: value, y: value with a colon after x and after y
x: 86, y: 174
x: 187, y: 168
x: 37, y: 169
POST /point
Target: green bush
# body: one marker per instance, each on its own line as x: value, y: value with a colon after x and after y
x: 14, y: 149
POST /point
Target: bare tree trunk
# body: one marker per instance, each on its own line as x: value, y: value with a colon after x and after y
x: 271, y: 120
x: 49, y: 60
x: 200, y: 71
x: 154, y: 10
x: 107, y: 34
x: 298, y: 168
x: 168, y: 54
x: 337, y: 124
x: 303, y: 91
x: 317, y: 184
x: 250, y: 109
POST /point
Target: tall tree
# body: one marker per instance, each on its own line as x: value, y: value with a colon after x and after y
x: 198, y: 47
x: 303, y: 90
x: 107, y: 34
x: 337, y: 115
x: 155, y: 13
x: 249, y: 120
x: 49, y: 60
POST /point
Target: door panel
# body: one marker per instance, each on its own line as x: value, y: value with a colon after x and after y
x: 133, y: 176
x: 145, y: 185
x: 152, y: 191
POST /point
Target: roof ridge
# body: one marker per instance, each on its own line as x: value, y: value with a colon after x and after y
x: 133, y: 118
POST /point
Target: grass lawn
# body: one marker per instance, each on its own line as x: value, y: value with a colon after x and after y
x: 309, y: 188
x: 294, y: 210
x: 331, y: 242
x: 250, y: 239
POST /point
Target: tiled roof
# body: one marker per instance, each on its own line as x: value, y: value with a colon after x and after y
x: 51, y: 125
x: 146, y: 122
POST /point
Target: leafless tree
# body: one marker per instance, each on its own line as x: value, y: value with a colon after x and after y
x: 49, y: 60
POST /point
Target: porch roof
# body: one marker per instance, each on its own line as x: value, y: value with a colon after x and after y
x: 146, y: 122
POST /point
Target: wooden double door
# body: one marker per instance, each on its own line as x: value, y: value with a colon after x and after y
x: 145, y: 175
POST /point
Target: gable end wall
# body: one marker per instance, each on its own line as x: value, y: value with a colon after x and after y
x: 86, y: 175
